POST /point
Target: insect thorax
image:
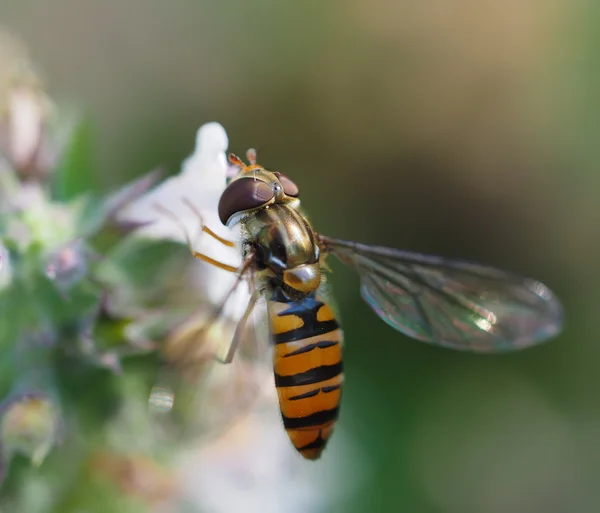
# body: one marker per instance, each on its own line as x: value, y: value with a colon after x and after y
x: 285, y: 244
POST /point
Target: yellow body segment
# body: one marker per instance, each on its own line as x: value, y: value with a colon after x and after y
x: 285, y: 324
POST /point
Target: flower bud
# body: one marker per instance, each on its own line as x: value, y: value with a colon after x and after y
x: 29, y: 425
x: 68, y: 265
x: 24, y: 112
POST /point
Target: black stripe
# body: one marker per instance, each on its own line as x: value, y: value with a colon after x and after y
x: 307, y: 309
x: 300, y: 306
x: 306, y: 349
x: 314, y: 419
x: 315, y: 375
x: 312, y: 393
x: 318, y: 443
x: 309, y: 329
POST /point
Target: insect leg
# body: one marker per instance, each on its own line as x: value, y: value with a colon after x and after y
x: 209, y: 260
x: 245, y: 267
x: 184, y: 338
x: 205, y: 228
x: 241, y: 327
x: 195, y: 254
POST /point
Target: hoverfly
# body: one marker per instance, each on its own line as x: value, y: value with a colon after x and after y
x: 455, y: 304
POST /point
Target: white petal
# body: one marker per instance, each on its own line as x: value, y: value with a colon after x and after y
x: 201, y: 182
x: 26, y: 123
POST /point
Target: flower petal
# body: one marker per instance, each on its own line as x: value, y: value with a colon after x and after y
x: 201, y: 182
x: 26, y: 121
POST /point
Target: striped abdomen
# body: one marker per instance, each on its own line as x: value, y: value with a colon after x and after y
x: 308, y: 370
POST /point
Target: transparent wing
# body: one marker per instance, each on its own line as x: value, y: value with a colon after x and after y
x: 199, y: 397
x: 451, y: 303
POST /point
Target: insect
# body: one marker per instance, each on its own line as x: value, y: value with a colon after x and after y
x: 455, y: 304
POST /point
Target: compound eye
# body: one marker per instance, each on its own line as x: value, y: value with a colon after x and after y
x: 244, y: 194
x: 289, y: 187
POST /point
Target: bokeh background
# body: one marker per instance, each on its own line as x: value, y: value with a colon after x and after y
x: 468, y: 129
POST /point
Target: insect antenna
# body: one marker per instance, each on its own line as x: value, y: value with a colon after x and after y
x: 235, y: 160
x: 251, y: 156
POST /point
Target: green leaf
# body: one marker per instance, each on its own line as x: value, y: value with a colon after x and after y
x: 75, y: 173
x: 91, y: 214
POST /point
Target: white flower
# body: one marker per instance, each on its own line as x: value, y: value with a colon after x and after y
x: 201, y: 182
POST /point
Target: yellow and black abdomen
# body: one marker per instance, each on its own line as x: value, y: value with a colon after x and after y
x: 308, y: 370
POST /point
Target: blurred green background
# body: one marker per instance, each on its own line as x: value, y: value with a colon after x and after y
x: 468, y: 129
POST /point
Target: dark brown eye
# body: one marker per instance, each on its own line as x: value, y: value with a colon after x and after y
x: 243, y: 194
x: 289, y: 187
